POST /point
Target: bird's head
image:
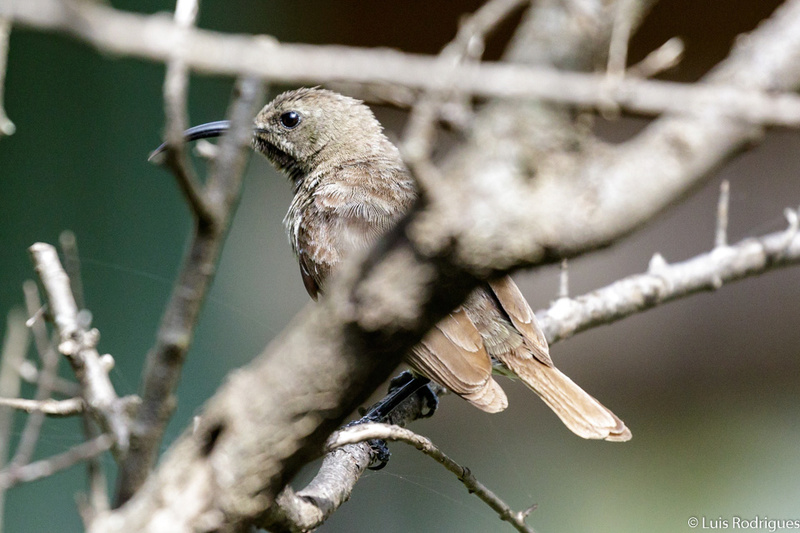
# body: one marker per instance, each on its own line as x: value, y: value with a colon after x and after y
x: 300, y: 129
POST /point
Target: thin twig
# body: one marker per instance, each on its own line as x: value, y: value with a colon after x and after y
x: 70, y: 407
x: 364, y: 432
x: 97, y: 500
x: 468, y: 45
x: 30, y: 374
x: 15, y: 347
x: 37, y: 314
x: 308, y: 508
x: 47, y: 467
x: 175, y: 89
x: 46, y: 378
x: 165, y: 359
x: 78, y: 345
x: 72, y: 266
x: 563, y: 280
x: 666, y: 282
x: 6, y: 126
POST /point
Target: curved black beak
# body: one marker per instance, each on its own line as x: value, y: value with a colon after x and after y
x: 203, y: 131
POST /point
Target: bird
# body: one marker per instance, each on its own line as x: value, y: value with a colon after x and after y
x: 350, y: 187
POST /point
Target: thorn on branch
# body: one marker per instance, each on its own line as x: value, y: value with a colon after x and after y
x: 36, y: 316
x: 529, y: 510
x: 563, y: 280
x: 657, y: 264
x: 663, y: 58
x: 721, y: 237
x: 791, y: 231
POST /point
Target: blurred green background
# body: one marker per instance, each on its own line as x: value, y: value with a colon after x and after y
x: 709, y: 385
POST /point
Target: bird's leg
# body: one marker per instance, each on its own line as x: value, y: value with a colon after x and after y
x: 401, y: 388
x: 423, y: 388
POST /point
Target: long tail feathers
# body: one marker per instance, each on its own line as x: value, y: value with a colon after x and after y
x: 580, y: 412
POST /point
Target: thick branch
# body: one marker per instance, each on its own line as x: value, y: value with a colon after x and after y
x: 590, y: 194
x: 309, y: 508
x: 271, y: 417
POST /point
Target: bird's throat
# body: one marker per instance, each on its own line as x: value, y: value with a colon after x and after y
x: 283, y: 161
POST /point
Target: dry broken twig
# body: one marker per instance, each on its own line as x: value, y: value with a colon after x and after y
x: 78, y: 345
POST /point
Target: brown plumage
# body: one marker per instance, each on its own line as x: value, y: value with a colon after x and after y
x: 350, y: 187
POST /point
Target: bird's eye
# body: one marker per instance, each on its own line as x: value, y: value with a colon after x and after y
x: 290, y: 119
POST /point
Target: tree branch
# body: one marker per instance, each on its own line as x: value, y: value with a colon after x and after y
x: 6, y: 126
x: 78, y: 345
x: 15, y: 347
x: 271, y: 417
x: 153, y: 37
x: 48, y: 467
x: 664, y: 283
x: 308, y: 508
x: 165, y: 359
x: 364, y: 432
x: 341, y: 468
x: 45, y: 379
x: 70, y: 407
x: 175, y: 88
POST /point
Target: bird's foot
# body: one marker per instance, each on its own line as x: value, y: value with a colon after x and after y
x: 399, y: 380
x: 401, y: 388
x: 379, y: 450
x: 430, y: 401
